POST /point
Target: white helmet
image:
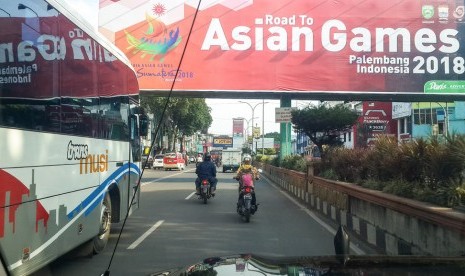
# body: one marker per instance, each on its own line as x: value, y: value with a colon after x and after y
x: 247, y: 158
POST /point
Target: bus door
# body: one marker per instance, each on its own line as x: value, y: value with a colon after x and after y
x: 139, y: 128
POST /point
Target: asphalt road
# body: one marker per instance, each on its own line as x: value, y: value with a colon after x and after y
x: 172, y: 228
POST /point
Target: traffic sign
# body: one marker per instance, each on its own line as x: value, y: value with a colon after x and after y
x: 283, y: 114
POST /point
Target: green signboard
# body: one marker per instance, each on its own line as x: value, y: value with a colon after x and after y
x: 444, y: 87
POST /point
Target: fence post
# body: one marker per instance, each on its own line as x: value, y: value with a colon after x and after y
x: 309, y: 177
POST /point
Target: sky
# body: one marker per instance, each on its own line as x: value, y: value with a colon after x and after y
x: 222, y: 110
x: 87, y: 8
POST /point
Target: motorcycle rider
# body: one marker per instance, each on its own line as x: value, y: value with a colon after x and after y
x: 206, y: 169
x: 247, y: 167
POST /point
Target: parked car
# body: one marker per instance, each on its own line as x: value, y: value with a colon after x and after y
x: 147, y: 163
x: 174, y: 160
x: 158, y: 161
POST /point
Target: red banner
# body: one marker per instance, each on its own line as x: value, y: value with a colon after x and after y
x: 238, y: 127
x: 310, y: 46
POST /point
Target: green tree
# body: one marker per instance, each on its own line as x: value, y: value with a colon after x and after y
x: 195, y: 117
x: 323, y: 124
x: 183, y: 116
x: 270, y: 151
x: 275, y: 135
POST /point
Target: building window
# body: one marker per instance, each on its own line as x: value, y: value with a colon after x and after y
x: 424, y: 116
x: 429, y: 116
x: 441, y: 127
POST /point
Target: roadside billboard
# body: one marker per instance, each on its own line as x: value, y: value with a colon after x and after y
x: 267, y: 143
x: 238, y: 142
x: 376, y: 120
x: 238, y: 127
x: 222, y: 142
x: 400, y: 110
x: 251, y: 46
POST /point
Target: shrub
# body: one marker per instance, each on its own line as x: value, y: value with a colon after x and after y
x: 275, y: 162
x: 372, y: 184
x: 429, y: 170
x: 329, y: 174
x: 459, y: 196
x: 456, y: 156
x: 451, y: 195
x: 266, y: 159
x: 294, y: 162
x: 399, y: 187
x: 347, y: 163
x: 413, y: 156
x: 382, y: 161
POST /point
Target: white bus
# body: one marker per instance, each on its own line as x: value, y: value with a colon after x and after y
x: 70, y: 128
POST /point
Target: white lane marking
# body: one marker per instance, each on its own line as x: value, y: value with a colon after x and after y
x: 162, y: 178
x: 354, y: 247
x: 146, y: 234
x: 189, y: 196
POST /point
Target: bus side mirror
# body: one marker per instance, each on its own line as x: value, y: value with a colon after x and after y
x: 143, y: 125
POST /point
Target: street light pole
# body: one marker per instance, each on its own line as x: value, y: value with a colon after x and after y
x: 253, y: 112
x: 23, y: 7
x: 5, y: 12
x: 263, y: 127
x: 446, y: 119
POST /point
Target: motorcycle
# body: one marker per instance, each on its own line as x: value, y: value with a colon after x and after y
x: 205, y: 190
x: 245, y: 208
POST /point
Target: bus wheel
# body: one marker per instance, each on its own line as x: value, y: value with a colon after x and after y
x: 101, y: 240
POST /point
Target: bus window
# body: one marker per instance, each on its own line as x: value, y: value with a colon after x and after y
x: 143, y: 125
x: 135, y: 140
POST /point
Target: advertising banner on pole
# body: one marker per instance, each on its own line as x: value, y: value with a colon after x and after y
x: 256, y: 132
x: 238, y: 127
x: 387, y: 47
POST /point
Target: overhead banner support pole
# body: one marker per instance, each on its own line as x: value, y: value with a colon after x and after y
x: 285, y: 146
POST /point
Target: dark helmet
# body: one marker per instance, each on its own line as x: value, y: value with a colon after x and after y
x: 208, y: 157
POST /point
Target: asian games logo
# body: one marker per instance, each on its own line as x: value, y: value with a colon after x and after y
x: 156, y: 41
